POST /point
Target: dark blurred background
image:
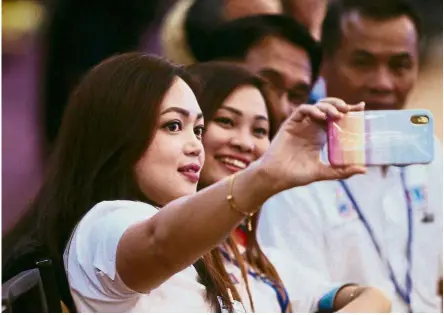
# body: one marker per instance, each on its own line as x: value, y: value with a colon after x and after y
x: 49, y: 45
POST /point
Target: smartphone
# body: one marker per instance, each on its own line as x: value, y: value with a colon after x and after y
x: 382, y: 138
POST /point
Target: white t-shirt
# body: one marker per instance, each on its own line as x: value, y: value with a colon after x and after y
x: 90, y: 262
x: 319, y: 226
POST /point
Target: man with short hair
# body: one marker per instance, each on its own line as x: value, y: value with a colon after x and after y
x: 383, y: 228
x: 371, y: 52
x: 275, y: 46
x: 271, y: 44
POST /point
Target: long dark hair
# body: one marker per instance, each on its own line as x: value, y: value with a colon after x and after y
x: 218, y: 80
x: 109, y: 122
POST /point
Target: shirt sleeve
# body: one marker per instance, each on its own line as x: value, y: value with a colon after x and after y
x: 92, y: 254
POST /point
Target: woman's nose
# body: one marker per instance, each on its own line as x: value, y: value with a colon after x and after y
x: 243, y: 142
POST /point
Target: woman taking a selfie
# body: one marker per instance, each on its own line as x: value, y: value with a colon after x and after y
x: 118, y: 208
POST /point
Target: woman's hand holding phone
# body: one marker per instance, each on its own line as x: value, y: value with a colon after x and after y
x: 293, y: 158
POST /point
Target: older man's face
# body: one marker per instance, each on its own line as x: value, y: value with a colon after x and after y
x: 376, y: 62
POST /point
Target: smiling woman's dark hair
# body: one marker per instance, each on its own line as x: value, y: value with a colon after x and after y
x: 110, y: 121
x: 219, y: 79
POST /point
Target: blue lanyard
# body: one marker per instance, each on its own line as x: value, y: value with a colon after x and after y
x: 282, y: 295
x: 406, y: 293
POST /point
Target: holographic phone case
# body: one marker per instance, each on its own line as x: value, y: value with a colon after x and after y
x: 392, y: 137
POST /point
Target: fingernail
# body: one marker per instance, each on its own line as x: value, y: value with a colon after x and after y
x: 362, y: 103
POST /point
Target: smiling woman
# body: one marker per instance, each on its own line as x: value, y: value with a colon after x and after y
x: 240, y: 109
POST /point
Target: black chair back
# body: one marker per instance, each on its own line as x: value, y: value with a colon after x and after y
x: 24, y: 293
